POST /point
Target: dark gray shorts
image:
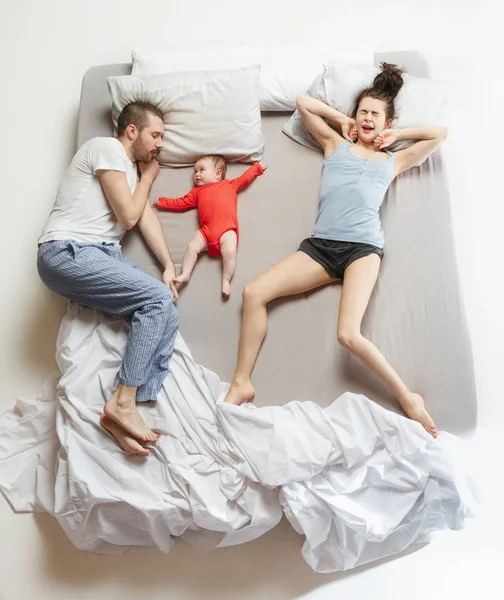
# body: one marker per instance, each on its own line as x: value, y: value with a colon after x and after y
x: 336, y: 257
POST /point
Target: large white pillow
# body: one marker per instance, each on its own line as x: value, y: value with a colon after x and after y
x: 286, y: 71
x: 204, y: 112
x: 420, y: 101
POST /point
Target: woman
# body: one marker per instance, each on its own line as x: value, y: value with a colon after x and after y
x: 347, y: 243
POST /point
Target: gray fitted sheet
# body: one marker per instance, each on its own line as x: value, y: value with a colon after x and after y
x: 415, y: 316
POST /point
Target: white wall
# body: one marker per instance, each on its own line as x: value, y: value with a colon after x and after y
x: 45, y: 48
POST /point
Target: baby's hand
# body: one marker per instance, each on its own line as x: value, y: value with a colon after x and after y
x: 156, y: 203
x: 263, y: 165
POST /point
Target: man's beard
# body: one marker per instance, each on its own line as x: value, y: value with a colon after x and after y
x: 140, y: 153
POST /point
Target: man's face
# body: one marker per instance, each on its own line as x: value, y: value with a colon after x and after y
x: 149, y: 141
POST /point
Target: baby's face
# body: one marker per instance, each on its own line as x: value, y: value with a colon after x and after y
x: 205, y: 172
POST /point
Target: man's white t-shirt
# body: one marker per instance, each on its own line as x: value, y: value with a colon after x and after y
x: 81, y: 211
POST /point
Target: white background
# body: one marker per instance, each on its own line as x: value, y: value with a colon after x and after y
x: 45, y: 49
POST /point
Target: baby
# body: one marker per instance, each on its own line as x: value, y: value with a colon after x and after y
x: 216, y: 200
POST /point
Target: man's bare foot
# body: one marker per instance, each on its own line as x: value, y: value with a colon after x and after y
x: 226, y: 287
x: 124, y: 440
x: 126, y: 415
x: 239, y: 393
x: 182, y: 278
x: 414, y: 407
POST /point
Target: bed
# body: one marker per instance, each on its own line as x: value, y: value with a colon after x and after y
x: 225, y: 475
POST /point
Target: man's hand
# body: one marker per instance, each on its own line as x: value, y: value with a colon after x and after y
x: 149, y: 170
x: 168, y: 279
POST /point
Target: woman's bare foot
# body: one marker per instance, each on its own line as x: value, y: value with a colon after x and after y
x: 226, y: 287
x: 182, y: 278
x: 239, y: 393
x: 121, y: 409
x: 124, y: 440
x: 414, y: 407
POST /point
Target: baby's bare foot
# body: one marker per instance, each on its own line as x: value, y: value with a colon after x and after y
x: 414, y: 407
x: 239, y: 393
x: 226, y: 287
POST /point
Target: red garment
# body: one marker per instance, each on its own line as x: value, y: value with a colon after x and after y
x: 217, y: 206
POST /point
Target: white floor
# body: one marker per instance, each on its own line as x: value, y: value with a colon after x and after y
x: 459, y: 565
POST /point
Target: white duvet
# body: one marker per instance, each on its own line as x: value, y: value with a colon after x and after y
x: 360, y: 482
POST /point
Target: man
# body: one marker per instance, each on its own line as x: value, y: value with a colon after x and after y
x: 79, y: 257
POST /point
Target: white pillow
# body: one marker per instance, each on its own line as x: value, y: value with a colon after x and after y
x: 286, y: 71
x: 205, y: 112
x: 419, y: 102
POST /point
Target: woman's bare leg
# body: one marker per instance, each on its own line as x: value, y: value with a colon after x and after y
x: 294, y: 274
x: 358, y: 284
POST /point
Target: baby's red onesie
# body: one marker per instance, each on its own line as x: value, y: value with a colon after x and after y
x: 217, y: 206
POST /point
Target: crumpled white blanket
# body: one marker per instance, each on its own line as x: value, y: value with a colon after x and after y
x: 360, y: 482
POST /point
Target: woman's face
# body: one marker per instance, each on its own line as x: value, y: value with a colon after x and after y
x: 371, y: 119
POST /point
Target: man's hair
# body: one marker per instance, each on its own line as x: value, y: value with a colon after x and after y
x: 137, y: 114
x: 218, y: 162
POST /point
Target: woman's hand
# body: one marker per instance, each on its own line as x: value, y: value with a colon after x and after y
x: 386, y: 138
x: 349, y: 130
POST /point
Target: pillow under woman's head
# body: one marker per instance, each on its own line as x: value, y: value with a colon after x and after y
x: 418, y: 102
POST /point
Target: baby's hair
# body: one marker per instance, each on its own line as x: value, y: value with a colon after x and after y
x: 386, y: 86
x: 218, y: 162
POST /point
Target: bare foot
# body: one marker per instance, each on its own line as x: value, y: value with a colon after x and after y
x: 182, y: 278
x: 128, y: 418
x: 124, y: 440
x: 239, y: 393
x: 414, y: 407
x: 226, y: 287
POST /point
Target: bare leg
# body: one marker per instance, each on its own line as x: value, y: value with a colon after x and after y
x: 228, y: 242
x: 294, y: 274
x: 121, y: 408
x: 123, y: 439
x: 358, y: 284
x: 195, y: 246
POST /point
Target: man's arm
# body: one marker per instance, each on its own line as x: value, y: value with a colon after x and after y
x: 153, y: 234
x: 128, y: 208
x: 132, y: 209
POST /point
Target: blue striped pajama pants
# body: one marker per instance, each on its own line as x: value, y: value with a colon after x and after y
x: 100, y: 277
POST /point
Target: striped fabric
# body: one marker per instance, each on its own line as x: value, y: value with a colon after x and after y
x: 100, y: 277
